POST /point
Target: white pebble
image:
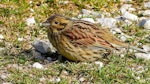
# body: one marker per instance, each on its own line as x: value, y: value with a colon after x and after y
x: 3, y: 76
x: 99, y: 63
x: 20, y: 39
x: 130, y: 16
x: 1, y: 36
x: 122, y: 55
x: 117, y: 30
x: 38, y: 65
x: 42, y: 79
x: 57, y: 80
x: 125, y: 1
x: 88, y: 19
x: 7, y: 83
x: 107, y: 22
x: 127, y: 22
x: 123, y: 38
x: 147, y: 5
x: 87, y: 12
x: 31, y: 10
x: 147, y: 24
x: 30, y: 21
x: 125, y: 7
x: 146, y: 13
x: 143, y: 55
x: 82, y: 79
x: 131, y: 9
x: 146, y: 47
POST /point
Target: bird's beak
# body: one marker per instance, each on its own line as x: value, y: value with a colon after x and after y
x: 45, y: 24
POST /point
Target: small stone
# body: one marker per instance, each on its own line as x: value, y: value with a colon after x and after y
x: 125, y: 7
x: 147, y: 5
x: 146, y: 48
x: 123, y: 38
x: 1, y: 36
x: 107, y: 22
x: 37, y: 55
x: 57, y: 80
x: 2, y: 50
x: 125, y: 1
x: 42, y: 46
x: 131, y: 9
x: 20, y: 39
x: 127, y: 22
x: 99, y: 63
x: 91, y: 13
x: 3, y: 76
x: 145, y: 23
x: 117, y: 30
x: 30, y: 21
x: 38, y: 65
x: 146, y: 13
x: 143, y: 55
x: 7, y: 83
x: 122, y: 55
x: 87, y: 12
x: 49, y: 59
x: 130, y: 16
x: 88, y: 19
x: 31, y: 10
x: 42, y: 79
x: 81, y: 79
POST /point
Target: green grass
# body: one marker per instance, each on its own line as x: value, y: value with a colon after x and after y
x: 16, y: 62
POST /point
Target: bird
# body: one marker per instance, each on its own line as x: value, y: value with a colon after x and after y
x: 79, y: 40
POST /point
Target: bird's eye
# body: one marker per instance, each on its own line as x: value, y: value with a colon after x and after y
x: 56, y: 22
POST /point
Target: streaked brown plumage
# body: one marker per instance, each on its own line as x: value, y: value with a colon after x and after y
x: 80, y: 40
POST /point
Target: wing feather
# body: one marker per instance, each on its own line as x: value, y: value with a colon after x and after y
x: 83, y: 34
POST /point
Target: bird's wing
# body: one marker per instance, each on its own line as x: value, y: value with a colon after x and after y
x: 82, y: 34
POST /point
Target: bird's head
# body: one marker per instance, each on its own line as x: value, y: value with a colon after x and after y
x: 57, y: 23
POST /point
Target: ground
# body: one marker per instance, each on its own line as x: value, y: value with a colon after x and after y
x: 15, y: 60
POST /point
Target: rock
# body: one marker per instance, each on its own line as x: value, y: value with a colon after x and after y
x: 1, y: 36
x: 146, y: 13
x: 3, y: 76
x: 124, y: 20
x: 38, y: 65
x: 88, y: 13
x: 30, y: 21
x: 99, y: 63
x: 146, y: 48
x: 145, y: 23
x: 123, y: 38
x: 7, y: 83
x: 20, y: 39
x: 57, y: 79
x: 32, y: 10
x: 125, y: 1
x: 108, y: 22
x: 42, y: 79
x: 49, y: 59
x: 131, y: 9
x: 88, y: 19
x: 147, y: 5
x: 37, y: 55
x: 81, y: 79
x: 2, y: 50
x: 43, y: 47
x: 124, y: 8
x: 143, y: 55
x: 117, y: 30
x: 130, y: 16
